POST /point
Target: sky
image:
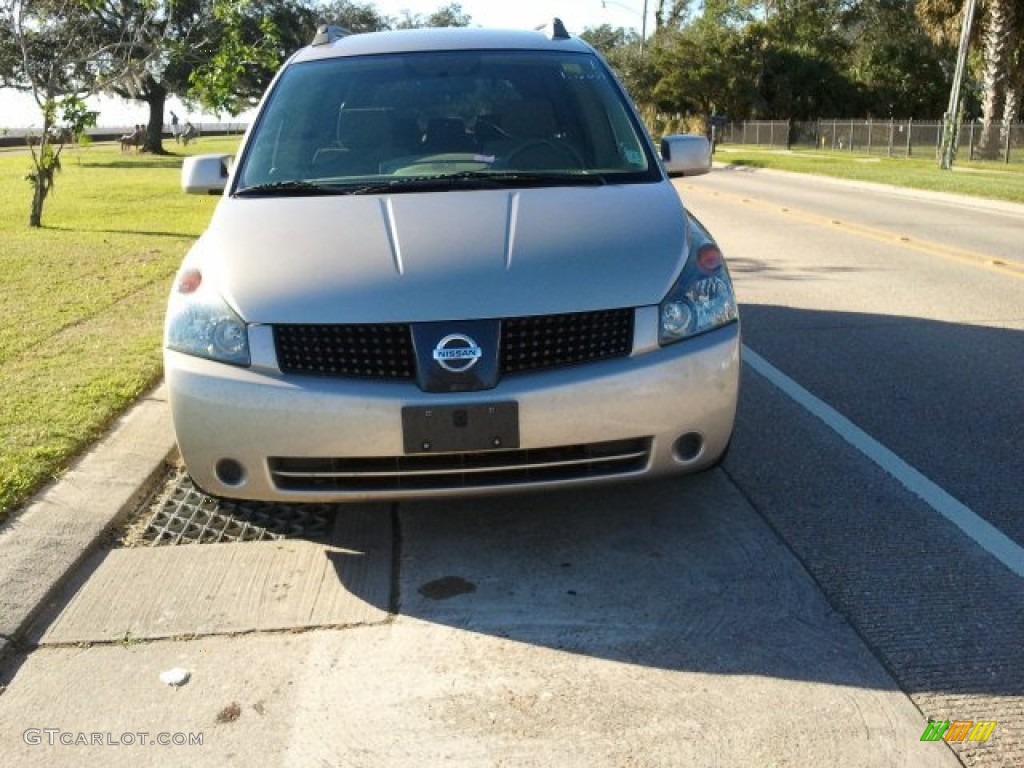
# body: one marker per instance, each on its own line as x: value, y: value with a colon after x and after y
x: 577, y: 14
x: 19, y: 111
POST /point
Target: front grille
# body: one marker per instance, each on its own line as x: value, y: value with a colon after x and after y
x: 455, y: 471
x: 385, y: 351
x: 378, y: 351
x: 552, y: 341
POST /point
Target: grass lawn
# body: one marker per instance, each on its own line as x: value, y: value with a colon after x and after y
x: 993, y: 180
x: 82, y: 299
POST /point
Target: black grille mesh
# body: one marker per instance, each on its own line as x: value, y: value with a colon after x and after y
x: 378, y: 351
x: 551, y: 341
x: 385, y: 351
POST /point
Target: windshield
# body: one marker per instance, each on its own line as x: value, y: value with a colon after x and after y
x: 396, y: 120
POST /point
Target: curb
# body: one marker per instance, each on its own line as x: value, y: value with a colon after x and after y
x: 64, y: 523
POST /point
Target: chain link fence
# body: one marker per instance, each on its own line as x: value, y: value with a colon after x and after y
x: 1002, y: 142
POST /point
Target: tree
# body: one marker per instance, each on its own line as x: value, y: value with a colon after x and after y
x: 250, y: 38
x: 670, y: 14
x: 222, y: 54
x: 607, y: 39
x: 702, y: 70
x: 797, y: 58
x: 783, y: 59
x: 1015, y: 84
x: 161, y: 33
x: 1001, y: 36
x: 999, y: 31
x: 248, y: 47
x: 54, y: 50
x: 219, y: 53
x: 450, y: 15
x: 898, y: 69
x: 355, y: 17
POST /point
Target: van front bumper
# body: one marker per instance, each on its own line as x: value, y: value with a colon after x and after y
x: 254, y: 433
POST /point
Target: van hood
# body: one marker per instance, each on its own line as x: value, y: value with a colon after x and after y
x: 444, y: 255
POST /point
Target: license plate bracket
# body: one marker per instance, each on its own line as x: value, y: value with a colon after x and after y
x: 460, y: 428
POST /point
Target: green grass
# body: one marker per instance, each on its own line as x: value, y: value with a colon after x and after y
x: 82, y: 299
x: 992, y: 180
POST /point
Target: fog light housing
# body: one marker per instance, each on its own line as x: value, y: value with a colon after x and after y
x: 688, y: 447
x: 230, y: 472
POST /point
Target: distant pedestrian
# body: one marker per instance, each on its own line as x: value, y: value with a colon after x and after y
x: 175, y: 128
x: 134, y: 139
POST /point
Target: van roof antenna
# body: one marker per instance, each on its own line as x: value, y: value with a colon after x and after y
x: 329, y: 33
x: 555, y: 30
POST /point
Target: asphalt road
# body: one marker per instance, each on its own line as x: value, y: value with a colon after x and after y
x: 852, y: 571
x: 904, y: 313
x: 900, y: 317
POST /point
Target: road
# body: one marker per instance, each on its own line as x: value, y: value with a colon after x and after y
x: 853, y: 569
x: 901, y: 315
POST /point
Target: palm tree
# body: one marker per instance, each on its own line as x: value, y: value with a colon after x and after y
x: 1000, y: 32
x: 1000, y: 35
x: 1015, y: 82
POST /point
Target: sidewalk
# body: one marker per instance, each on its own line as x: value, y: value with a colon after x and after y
x: 42, y: 545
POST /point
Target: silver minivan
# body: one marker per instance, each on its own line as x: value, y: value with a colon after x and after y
x: 448, y: 262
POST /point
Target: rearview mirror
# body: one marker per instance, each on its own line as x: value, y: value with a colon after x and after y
x: 686, y: 154
x: 205, y: 174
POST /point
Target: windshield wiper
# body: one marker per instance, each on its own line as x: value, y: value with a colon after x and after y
x: 444, y: 182
x: 477, y: 180
x: 296, y: 187
x: 537, y: 178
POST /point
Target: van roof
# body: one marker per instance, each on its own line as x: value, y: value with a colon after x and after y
x: 442, y: 39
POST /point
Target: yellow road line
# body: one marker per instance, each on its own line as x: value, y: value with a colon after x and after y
x: 974, y: 258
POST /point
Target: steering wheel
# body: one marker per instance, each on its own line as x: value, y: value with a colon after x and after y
x: 564, y: 156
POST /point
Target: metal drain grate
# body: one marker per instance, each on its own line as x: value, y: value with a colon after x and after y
x: 182, y: 514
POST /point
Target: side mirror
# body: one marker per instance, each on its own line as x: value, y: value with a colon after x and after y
x: 205, y: 174
x: 686, y: 154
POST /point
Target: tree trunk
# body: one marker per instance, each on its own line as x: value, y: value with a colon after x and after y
x: 998, y: 40
x: 1015, y: 81
x: 35, y: 218
x: 45, y: 164
x: 156, y: 97
x: 1011, y: 107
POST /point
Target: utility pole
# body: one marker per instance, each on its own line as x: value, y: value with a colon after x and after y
x: 951, y: 120
x: 643, y: 33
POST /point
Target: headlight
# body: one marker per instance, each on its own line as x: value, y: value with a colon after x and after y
x: 199, y: 322
x: 702, y: 299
